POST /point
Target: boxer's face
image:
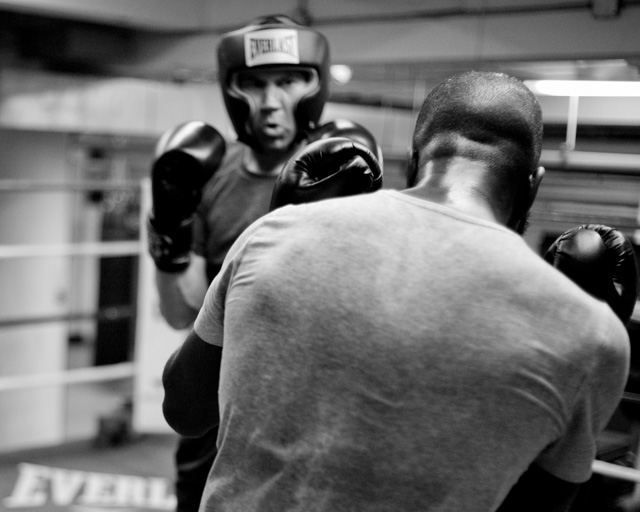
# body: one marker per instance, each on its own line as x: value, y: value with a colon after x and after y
x: 273, y: 95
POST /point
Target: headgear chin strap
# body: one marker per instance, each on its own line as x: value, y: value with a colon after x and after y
x: 273, y: 42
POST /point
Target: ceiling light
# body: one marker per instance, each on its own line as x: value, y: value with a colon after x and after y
x: 583, y: 88
x: 341, y: 74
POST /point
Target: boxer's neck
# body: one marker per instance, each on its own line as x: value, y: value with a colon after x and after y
x: 463, y: 184
x: 267, y: 164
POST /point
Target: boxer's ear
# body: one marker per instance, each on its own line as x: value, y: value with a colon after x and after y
x: 412, y: 167
x: 534, y: 183
x: 519, y: 219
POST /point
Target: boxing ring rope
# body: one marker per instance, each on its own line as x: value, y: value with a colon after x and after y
x: 550, y: 216
x: 83, y: 375
x: 135, y: 248
x: 111, y: 372
x: 126, y: 248
x: 107, y: 313
x: 17, y: 185
x: 603, y: 468
x: 127, y: 370
x: 76, y: 376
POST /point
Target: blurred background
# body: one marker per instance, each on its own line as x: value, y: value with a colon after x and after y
x: 87, y: 87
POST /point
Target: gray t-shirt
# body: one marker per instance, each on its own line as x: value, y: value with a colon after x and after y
x: 385, y: 353
x: 231, y: 200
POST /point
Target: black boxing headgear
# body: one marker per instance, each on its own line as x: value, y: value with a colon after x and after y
x: 267, y: 42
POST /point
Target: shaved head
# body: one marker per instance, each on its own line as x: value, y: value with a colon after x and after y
x: 491, y: 121
x: 482, y: 115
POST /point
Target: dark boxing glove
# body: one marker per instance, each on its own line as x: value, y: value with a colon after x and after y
x: 327, y: 168
x: 350, y: 130
x: 185, y: 158
x: 601, y: 260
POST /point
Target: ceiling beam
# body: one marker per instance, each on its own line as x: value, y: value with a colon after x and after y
x: 143, y: 14
x: 545, y: 36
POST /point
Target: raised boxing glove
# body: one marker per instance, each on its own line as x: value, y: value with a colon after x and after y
x: 350, y: 130
x: 185, y: 159
x: 601, y: 260
x: 324, y: 169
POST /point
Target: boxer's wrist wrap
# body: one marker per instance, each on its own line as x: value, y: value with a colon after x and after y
x: 170, y: 249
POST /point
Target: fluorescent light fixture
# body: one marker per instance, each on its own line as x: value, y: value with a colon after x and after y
x: 583, y: 88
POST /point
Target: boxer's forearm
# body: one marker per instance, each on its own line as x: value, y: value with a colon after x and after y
x: 538, y: 491
x: 181, y: 294
x: 190, y: 381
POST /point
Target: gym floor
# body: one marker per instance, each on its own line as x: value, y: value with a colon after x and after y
x: 101, y: 465
x: 84, y: 476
